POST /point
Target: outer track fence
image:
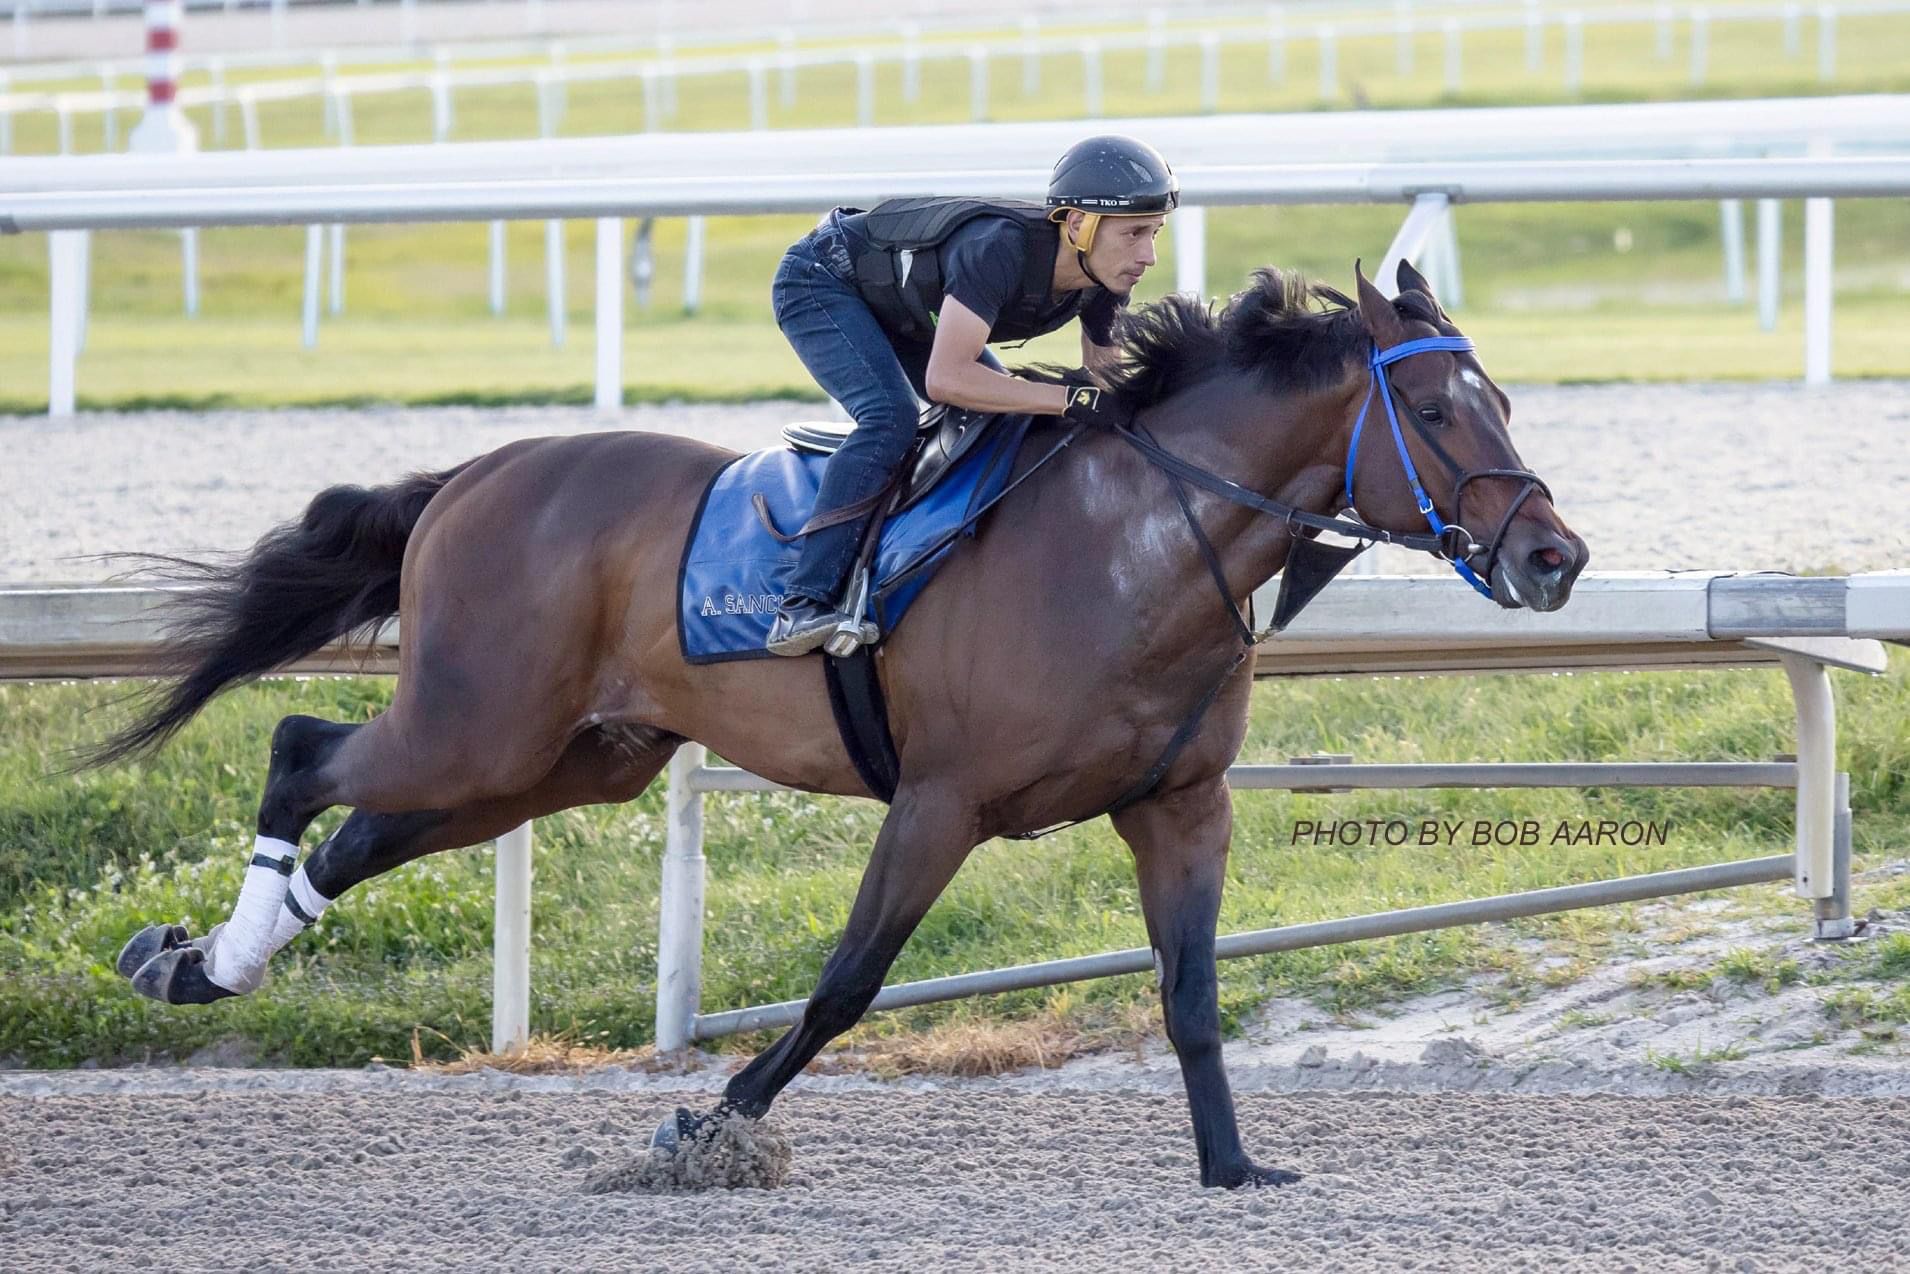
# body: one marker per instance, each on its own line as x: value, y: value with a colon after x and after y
x: 811, y: 171
x: 1372, y: 625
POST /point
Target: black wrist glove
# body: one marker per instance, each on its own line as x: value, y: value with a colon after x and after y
x: 1089, y: 404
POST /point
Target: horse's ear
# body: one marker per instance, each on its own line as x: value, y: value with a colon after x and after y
x: 1376, y: 312
x: 1411, y: 280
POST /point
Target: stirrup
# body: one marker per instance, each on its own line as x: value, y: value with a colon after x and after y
x: 854, y: 631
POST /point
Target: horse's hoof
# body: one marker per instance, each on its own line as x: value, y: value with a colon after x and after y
x: 178, y: 976
x: 146, y: 944
x: 673, y: 1131
x: 1258, y: 1176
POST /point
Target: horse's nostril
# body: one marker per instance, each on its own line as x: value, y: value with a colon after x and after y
x: 1549, y: 561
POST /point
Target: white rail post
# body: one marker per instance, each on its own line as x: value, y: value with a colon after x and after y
x: 221, y: 99
x: 786, y: 66
x: 1455, y: 58
x: 680, y: 905
x: 1574, y: 54
x: 693, y: 265
x: 278, y: 24
x: 666, y: 51
x: 1030, y: 56
x: 249, y: 116
x: 1769, y: 248
x: 758, y: 93
x: 6, y: 118
x: 1190, y: 249
x: 1700, y: 44
x: 497, y: 267
x: 328, y: 77
x: 865, y: 90
x: 1731, y: 219
x: 609, y: 312
x: 978, y: 83
x: 1817, y: 291
x: 108, y: 113
x: 911, y: 66
x: 1826, y: 43
x: 189, y: 269
x: 652, y: 99
x: 511, y: 943
x: 407, y: 22
x: 1209, y: 73
x: 1402, y: 38
x: 1422, y: 221
x: 63, y: 249
x: 63, y: 113
x: 1329, y: 65
x: 1816, y: 775
x: 1663, y: 49
x: 1534, y: 37
x: 22, y: 44
x: 1276, y: 44
x: 314, y: 262
x: 554, y: 279
x: 1156, y: 75
x: 440, y: 105
x: 1091, y: 78
x: 1793, y: 35
x: 1451, y: 280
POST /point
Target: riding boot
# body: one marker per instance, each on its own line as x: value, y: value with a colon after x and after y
x: 801, y: 626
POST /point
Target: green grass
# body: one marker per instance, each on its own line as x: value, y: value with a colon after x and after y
x: 1555, y: 292
x: 87, y: 860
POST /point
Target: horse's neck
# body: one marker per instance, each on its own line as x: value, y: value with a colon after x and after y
x: 1289, y: 447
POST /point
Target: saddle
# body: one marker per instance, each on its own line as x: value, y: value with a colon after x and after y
x: 945, y: 435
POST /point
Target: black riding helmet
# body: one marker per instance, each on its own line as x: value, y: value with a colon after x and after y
x: 1110, y: 176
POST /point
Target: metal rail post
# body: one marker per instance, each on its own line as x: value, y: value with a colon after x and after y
x: 1815, y: 875
x: 680, y: 905
x: 511, y: 943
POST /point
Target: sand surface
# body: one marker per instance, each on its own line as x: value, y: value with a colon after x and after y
x: 1655, y: 477
x: 957, y: 1179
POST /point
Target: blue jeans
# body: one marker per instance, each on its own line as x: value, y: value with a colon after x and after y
x: 849, y: 353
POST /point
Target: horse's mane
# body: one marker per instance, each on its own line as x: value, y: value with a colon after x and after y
x: 1292, y: 332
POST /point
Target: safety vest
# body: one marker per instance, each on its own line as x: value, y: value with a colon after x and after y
x: 899, y: 273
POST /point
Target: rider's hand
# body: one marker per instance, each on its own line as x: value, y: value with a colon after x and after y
x: 1090, y: 404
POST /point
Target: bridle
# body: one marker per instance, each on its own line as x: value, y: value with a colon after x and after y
x: 1454, y: 532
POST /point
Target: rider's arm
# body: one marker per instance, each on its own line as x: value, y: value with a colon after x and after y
x: 955, y: 377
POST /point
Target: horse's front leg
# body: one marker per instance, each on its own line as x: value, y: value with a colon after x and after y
x: 1180, y: 844
x: 925, y: 838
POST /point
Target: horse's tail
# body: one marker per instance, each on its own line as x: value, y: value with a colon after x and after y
x: 332, y: 574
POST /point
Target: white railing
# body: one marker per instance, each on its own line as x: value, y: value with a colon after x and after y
x: 395, y: 184
x: 1370, y: 626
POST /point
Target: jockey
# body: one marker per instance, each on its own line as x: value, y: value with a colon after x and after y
x: 900, y: 302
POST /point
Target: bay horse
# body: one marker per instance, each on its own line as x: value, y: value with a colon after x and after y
x: 1060, y: 653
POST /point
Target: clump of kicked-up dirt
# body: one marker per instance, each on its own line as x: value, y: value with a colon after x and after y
x: 734, y: 1154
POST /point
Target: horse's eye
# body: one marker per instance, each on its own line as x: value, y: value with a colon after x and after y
x: 1431, y: 414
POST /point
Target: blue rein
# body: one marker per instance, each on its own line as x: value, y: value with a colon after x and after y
x: 1380, y: 359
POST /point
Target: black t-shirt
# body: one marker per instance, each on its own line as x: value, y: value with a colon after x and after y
x: 982, y: 264
x: 982, y: 267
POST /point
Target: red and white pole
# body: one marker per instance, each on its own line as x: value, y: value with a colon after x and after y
x: 164, y: 126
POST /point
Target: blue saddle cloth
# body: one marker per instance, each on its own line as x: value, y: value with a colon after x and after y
x: 734, y: 570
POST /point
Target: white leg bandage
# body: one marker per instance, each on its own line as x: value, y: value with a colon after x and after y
x: 236, y: 959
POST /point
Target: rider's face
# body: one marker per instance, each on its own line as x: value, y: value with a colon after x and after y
x: 1123, y: 250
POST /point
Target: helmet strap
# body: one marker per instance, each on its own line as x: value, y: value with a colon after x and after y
x: 1091, y: 221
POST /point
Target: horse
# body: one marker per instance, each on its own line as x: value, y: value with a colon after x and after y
x: 1089, y: 635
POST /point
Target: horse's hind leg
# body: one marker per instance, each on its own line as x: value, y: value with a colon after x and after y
x: 604, y: 765
x: 923, y: 841
x: 165, y: 965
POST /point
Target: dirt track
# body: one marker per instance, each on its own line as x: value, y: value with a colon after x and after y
x: 957, y: 1180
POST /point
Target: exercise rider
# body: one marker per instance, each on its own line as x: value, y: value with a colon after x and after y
x: 900, y: 303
